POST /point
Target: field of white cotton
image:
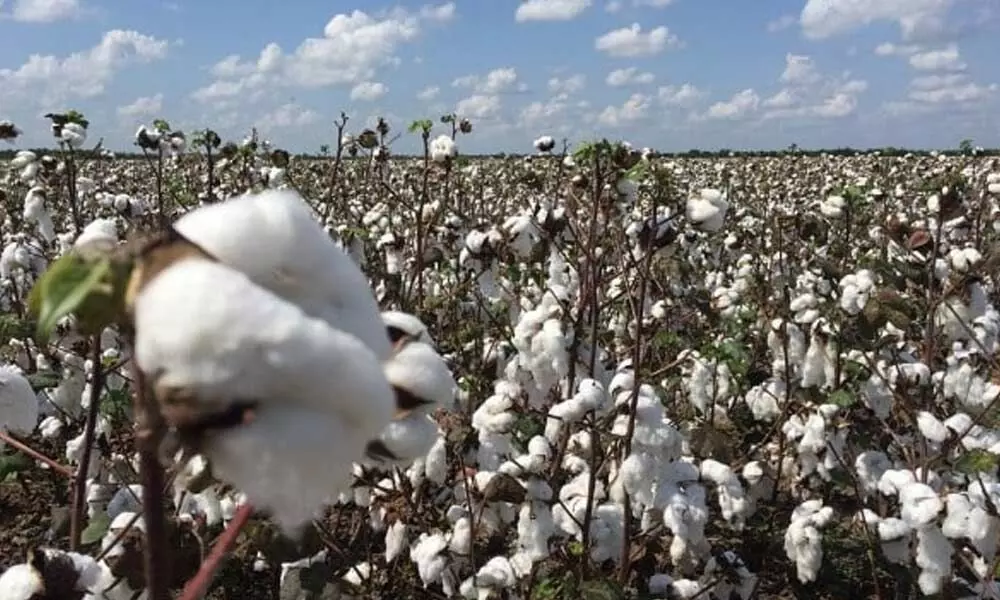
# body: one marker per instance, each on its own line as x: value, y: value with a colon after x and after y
x: 596, y: 372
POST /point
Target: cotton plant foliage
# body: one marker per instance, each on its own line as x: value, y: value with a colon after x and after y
x: 461, y: 356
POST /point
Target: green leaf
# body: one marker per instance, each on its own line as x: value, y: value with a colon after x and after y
x: 842, y: 398
x: 600, y: 589
x: 421, y: 125
x: 161, y: 125
x: 96, y: 529
x: 976, y: 461
x: 73, y: 285
x: 13, y: 463
x: 574, y: 548
x: 41, y: 380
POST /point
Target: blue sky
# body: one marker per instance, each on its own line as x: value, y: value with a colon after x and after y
x: 669, y: 74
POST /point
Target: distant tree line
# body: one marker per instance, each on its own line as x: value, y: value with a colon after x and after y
x: 964, y: 149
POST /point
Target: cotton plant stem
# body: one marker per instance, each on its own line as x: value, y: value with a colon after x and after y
x: 198, y: 585
x: 89, y: 431
x: 150, y: 432
x: 35, y: 454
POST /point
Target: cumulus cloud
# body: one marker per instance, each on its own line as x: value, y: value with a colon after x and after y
x: 352, y: 48
x: 368, y: 91
x: 44, y: 11
x: 54, y: 80
x: 631, y: 41
x: 142, y: 107
x: 550, y: 10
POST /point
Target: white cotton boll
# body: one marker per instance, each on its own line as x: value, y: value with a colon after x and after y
x: 443, y: 148
x: 933, y: 556
x: 97, y: 239
x: 21, y: 582
x: 73, y: 134
x: 436, y: 464
x: 395, y: 541
x: 36, y: 212
x: 321, y: 391
x: 18, y: 402
x: 460, y: 541
x: 869, y: 467
x: 409, y: 324
x: 708, y: 209
x: 763, y: 400
x: 417, y: 368
x: 931, y: 428
x: 426, y: 553
x: 358, y: 574
x: 833, y: 207
x: 273, y: 238
x: 920, y: 504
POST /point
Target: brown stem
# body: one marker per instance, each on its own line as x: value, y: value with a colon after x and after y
x: 35, y: 454
x: 89, y: 430
x: 198, y: 585
x: 150, y: 432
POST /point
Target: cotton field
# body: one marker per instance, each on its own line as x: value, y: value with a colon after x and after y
x: 593, y: 371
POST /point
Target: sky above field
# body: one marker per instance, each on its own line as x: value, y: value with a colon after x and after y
x: 669, y: 74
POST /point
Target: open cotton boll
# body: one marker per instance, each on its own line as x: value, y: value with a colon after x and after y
x: 98, y: 238
x: 18, y: 402
x: 207, y: 332
x: 274, y: 240
x: 36, y: 212
x: 443, y: 148
x: 50, y: 573
x: 399, y: 323
x: 708, y: 209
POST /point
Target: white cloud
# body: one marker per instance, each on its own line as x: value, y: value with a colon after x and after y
x: 631, y: 75
x: 550, y: 10
x: 781, y: 23
x: 495, y: 82
x: 548, y: 116
x: 653, y: 3
x: 890, y: 49
x: 287, y: 116
x: 740, y: 105
x: 634, y: 109
x: 613, y: 6
x: 568, y: 85
x: 44, y: 11
x: 428, y: 93
x: 368, y: 91
x: 478, y: 106
x: 799, y: 70
x: 142, y: 107
x: 632, y: 42
x: 826, y: 18
x: 785, y: 98
x: 942, y: 59
x: 684, y: 96
x: 351, y: 50
x: 86, y: 74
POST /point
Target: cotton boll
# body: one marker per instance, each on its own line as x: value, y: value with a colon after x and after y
x: 21, y: 582
x: 97, y: 239
x: 443, y: 148
x: 18, y: 402
x: 319, y: 392
x: 273, y: 238
x: 395, y: 541
x: 708, y: 209
x: 920, y: 504
x: 401, y: 323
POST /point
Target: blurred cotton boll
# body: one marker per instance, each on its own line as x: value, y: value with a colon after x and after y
x: 310, y: 396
